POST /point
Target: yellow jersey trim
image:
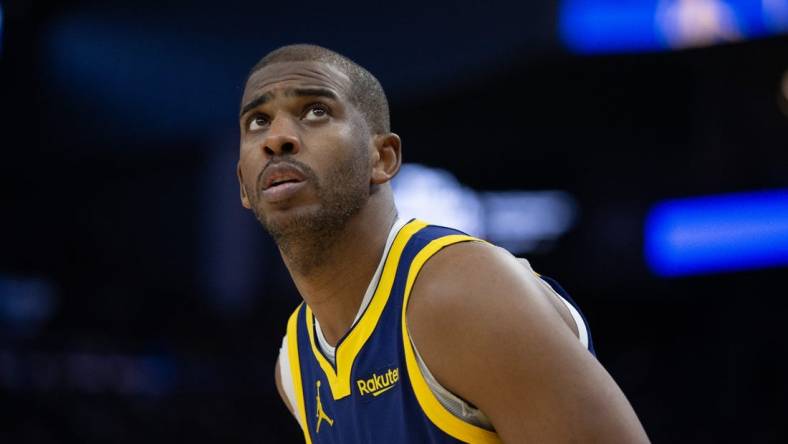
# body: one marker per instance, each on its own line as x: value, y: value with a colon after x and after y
x: 295, y: 371
x: 437, y: 414
x: 349, y: 348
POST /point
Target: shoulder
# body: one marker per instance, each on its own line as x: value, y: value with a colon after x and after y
x: 470, y: 279
x: 488, y: 334
x: 474, y: 278
x: 473, y: 300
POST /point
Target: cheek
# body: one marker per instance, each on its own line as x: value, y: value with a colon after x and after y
x: 325, y: 149
x: 249, y: 162
x: 340, y: 155
x: 248, y: 148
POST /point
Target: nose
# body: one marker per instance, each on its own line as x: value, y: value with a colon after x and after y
x: 282, y: 138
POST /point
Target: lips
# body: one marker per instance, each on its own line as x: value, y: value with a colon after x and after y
x: 281, y: 182
x: 276, y: 175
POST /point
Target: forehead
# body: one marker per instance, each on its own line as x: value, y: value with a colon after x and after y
x: 281, y: 75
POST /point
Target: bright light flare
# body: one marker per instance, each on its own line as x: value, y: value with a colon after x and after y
x: 718, y: 233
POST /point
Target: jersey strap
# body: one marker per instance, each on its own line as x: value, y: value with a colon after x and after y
x: 295, y: 370
x: 433, y: 409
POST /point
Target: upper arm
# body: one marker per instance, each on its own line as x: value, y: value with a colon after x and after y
x: 488, y: 334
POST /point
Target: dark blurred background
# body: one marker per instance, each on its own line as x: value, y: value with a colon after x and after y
x: 140, y: 303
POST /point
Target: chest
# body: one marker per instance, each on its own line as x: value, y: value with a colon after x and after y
x: 380, y: 406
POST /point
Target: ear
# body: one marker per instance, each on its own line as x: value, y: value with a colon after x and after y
x: 244, y: 196
x: 386, y: 159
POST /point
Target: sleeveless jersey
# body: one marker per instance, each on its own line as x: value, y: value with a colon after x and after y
x: 376, y: 392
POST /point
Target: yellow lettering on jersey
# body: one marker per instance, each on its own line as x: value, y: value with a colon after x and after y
x: 376, y: 384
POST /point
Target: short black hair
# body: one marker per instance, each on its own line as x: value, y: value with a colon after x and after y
x: 366, y: 93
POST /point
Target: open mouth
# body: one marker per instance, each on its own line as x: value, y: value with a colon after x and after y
x: 278, y: 182
x: 282, y: 187
x: 281, y: 181
x: 281, y: 175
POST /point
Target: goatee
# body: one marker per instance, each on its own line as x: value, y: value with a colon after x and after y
x: 304, y: 235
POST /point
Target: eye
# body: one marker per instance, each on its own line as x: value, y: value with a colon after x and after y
x: 316, y: 112
x: 257, y: 122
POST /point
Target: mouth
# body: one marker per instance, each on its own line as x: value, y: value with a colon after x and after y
x: 281, y: 181
x: 279, y: 175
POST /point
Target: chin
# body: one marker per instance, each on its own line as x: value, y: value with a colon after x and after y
x: 283, y: 222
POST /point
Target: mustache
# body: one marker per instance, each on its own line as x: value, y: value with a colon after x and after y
x: 309, y: 173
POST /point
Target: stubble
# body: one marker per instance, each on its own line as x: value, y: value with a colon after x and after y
x: 304, y: 236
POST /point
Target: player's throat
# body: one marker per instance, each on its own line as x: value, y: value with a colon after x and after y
x: 336, y: 291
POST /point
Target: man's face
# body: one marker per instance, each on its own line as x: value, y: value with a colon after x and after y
x: 304, y: 162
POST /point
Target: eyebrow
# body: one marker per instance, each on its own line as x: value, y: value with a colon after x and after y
x: 256, y: 102
x: 295, y: 92
x: 311, y: 92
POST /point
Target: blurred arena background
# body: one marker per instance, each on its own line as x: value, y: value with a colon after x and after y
x: 636, y: 150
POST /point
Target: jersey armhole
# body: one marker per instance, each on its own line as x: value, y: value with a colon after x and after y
x: 582, y: 328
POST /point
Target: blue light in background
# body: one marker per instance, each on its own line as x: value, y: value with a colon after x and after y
x: 718, y: 233
x: 612, y: 26
x: 26, y: 304
x: 599, y: 26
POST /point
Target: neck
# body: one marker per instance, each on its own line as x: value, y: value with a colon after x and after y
x: 334, y: 281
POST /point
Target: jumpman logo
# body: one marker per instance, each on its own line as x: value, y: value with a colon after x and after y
x: 321, y: 415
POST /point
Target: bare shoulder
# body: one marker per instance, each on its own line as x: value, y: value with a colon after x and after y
x: 487, y: 333
x: 472, y: 266
x: 475, y: 284
x: 472, y: 299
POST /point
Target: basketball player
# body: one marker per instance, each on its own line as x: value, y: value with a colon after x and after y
x: 409, y: 333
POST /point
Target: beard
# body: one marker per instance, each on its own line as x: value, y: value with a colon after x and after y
x: 302, y: 234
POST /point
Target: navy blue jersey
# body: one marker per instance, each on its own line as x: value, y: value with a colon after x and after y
x: 376, y: 392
